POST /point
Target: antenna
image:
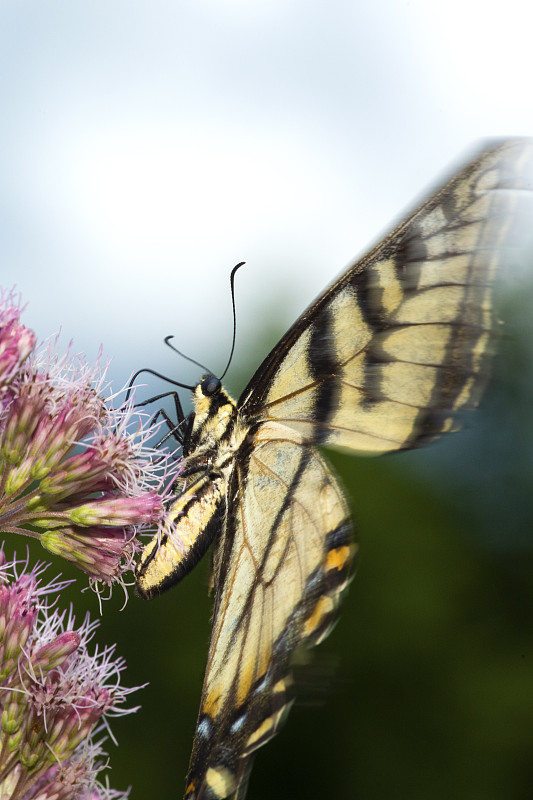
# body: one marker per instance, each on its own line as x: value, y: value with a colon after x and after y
x: 157, y: 375
x: 187, y: 358
x: 232, y: 285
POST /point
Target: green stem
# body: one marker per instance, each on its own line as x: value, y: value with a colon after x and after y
x: 21, y: 532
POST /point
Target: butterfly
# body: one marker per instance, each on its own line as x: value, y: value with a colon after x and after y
x: 382, y: 361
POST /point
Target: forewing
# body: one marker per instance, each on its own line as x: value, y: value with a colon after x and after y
x: 398, y: 345
x: 283, y: 562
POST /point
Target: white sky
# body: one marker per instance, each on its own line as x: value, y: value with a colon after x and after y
x: 148, y: 146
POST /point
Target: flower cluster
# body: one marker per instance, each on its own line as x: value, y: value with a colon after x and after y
x: 75, y: 472
x: 54, y: 695
x: 16, y: 342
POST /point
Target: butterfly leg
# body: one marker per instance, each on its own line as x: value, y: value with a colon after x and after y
x: 177, y: 430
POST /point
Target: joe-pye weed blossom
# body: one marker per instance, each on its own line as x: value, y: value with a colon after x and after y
x: 77, y: 474
x: 55, y: 696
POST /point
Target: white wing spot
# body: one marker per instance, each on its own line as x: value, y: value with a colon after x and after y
x: 204, y: 728
x: 237, y: 725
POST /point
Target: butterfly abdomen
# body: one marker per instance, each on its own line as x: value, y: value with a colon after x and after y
x: 197, y: 512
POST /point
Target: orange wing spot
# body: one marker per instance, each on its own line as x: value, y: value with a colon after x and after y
x: 245, y: 681
x: 324, y: 606
x: 337, y: 559
x: 190, y: 788
x: 282, y: 685
x: 212, y: 703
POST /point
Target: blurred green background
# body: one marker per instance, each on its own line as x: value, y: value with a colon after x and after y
x: 425, y: 687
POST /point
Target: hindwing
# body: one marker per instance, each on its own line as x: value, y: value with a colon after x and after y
x: 280, y: 568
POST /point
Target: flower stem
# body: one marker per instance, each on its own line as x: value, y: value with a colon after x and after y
x: 21, y: 531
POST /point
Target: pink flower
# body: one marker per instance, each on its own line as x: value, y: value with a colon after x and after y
x: 54, y: 694
x: 16, y: 343
x: 75, y: 472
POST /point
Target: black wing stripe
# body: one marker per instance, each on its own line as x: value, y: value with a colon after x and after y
x: 322, y: 363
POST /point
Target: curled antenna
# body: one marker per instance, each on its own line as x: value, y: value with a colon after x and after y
x: 232, y: 284
x: 157, y: 375
x: 187, y: 358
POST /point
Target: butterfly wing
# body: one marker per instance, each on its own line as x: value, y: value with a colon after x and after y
x: 386, y: 357
x: 280, y: 569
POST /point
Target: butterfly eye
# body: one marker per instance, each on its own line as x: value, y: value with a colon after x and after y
x: 210, y: 385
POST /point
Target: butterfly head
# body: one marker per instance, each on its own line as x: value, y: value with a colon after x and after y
x: 210, y: 385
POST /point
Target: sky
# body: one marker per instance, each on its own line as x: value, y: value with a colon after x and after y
x: 147, y: 147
